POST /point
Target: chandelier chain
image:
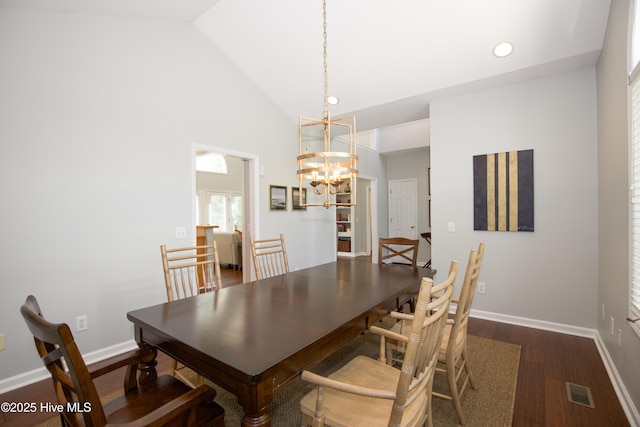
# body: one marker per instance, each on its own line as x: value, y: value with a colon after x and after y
x: 324, y: 51
x: 326, y: 171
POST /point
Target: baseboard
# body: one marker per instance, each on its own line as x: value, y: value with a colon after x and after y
x: 633, y: 416
x: 30, y: 377
x: 347, y: 254
x: 353, y: 254
x: 628, y: 406
x: 534, y: 323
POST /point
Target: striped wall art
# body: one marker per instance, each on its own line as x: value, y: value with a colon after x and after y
x: 503, y: 191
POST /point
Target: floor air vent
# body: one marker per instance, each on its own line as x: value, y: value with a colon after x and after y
x: 579, y: 394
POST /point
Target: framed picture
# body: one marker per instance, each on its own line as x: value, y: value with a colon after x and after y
x: 277, y: 198
x: 503, y: 191
x: 295, y: 198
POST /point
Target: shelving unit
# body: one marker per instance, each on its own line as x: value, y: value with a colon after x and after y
x: 344, y: 226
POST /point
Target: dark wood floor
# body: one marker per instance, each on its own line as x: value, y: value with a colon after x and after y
x: 547, y: 361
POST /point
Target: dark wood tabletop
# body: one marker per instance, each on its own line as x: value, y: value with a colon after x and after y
x: 254, y: 337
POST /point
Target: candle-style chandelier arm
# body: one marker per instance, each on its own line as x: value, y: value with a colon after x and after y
x: 326, y: 170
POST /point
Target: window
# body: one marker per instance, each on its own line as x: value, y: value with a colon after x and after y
x: 224, y: 210
x: 211, y: 162
x: 218, y: 210
x: 236, y: 212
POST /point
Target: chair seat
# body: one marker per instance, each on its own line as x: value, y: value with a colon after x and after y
x: 144, y: 399
x: 345, y: 409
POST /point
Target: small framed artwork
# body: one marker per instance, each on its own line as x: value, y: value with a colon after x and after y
x: 277, y: 198
x: 295, y: 198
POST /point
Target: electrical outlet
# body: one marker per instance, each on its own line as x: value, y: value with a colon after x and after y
x: 451, y: 227
x: 181, y: 232
x: 602, y: 310
x: 612, y: 325
x: 2, y: 342
x: 619, y: 337
x: 481, y: 287
x: 81, y: 323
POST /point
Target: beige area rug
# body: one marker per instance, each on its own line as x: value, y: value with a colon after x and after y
x: 494, y: 363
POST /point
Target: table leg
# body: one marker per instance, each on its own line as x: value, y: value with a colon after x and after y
x: 254, y: 399
x: 147, y: 366
x: 256, y: 420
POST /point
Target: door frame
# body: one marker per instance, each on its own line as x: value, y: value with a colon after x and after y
x: 373, y: 219
x: 250, y: 197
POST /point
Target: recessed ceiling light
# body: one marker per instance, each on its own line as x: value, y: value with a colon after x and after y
x: 333, y: 100
x: 503, y: 49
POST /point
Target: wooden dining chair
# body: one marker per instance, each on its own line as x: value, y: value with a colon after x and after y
x: 366, y: 392
x: 452, y: 357
x: 269, y: 257
x: 190, y: 271
x: 453, y: 360
x: 398, y: 250
x: 158, y: 401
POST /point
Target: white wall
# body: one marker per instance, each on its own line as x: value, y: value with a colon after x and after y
x: 551, y: 273
x: 231, y: 181
x: 404, y: 136
x: 613, y: 208
x: 98, y: 117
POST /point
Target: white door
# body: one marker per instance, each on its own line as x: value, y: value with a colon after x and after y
x: 403, y: 208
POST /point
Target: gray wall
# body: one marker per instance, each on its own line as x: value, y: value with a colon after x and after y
x: 613, y: 218
x: 549, y: 274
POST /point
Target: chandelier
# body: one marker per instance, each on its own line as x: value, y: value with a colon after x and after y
x: 321, y: 163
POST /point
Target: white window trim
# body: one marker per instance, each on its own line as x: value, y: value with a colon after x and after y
x: 228, y: 195
x: 634, y: 166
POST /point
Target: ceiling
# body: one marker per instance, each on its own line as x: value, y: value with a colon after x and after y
x: 386, y: 59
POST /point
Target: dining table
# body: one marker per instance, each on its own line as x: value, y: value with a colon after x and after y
x: 253, y: 338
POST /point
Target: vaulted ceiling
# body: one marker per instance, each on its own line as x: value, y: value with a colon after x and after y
x: 386, y: 59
